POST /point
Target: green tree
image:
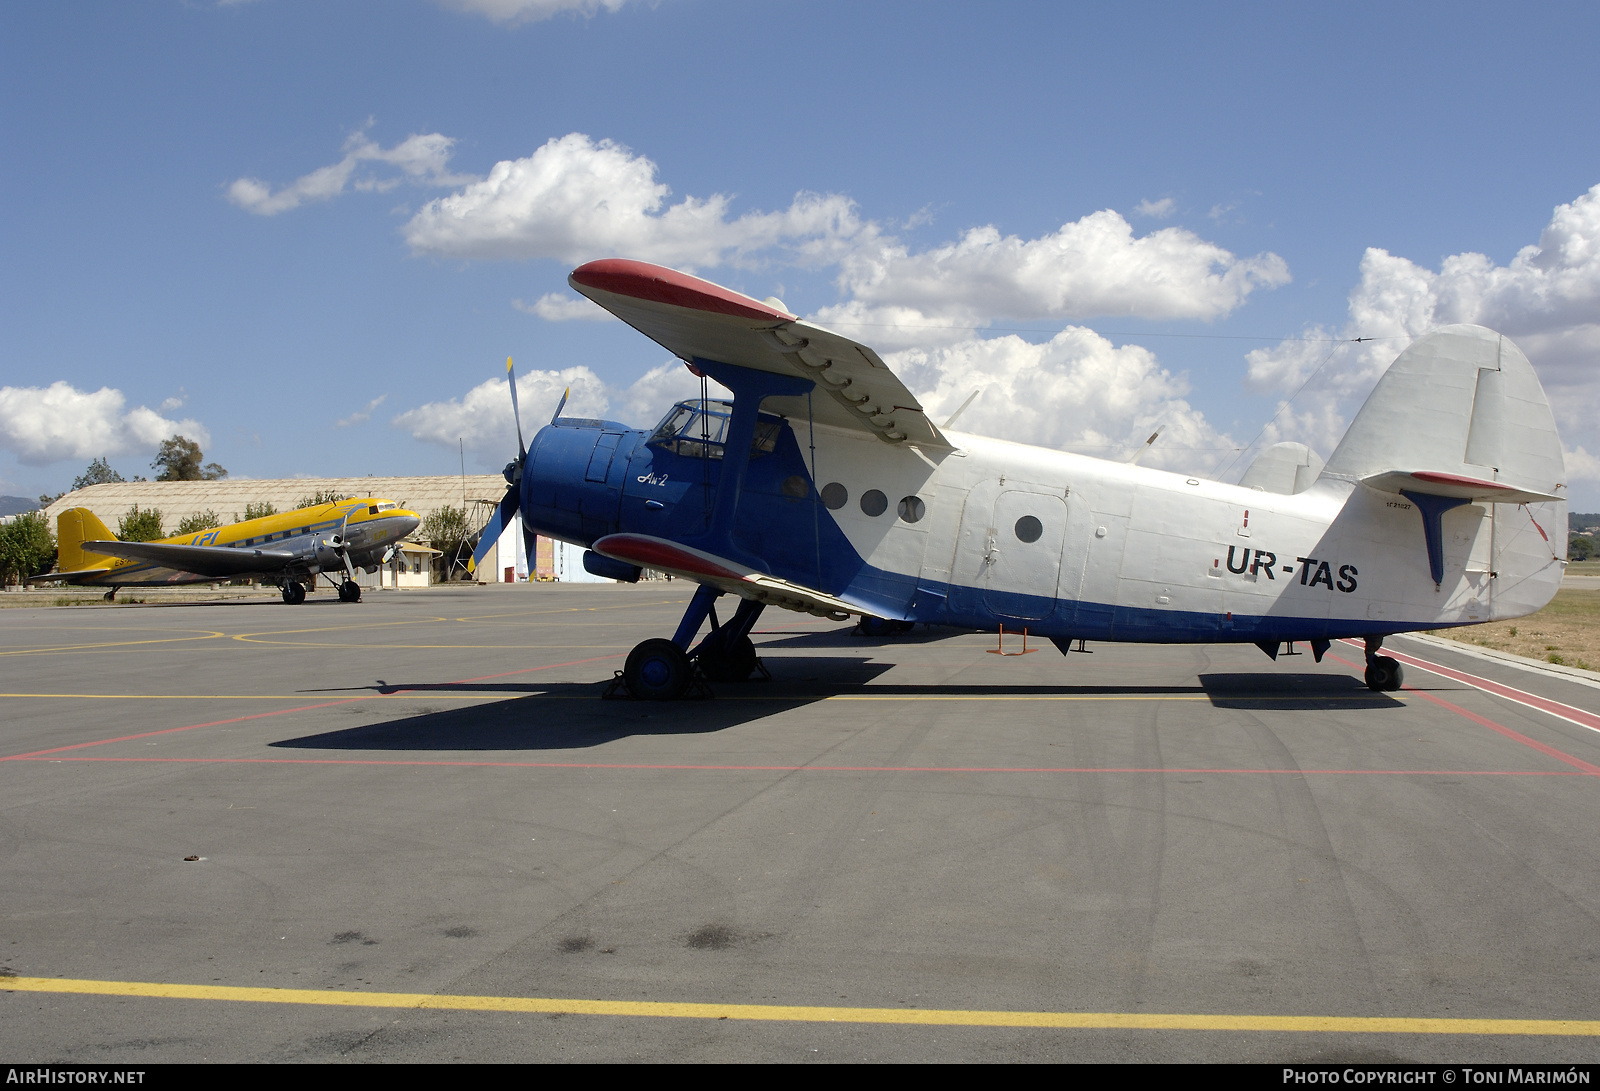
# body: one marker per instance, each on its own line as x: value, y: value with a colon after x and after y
x: 200, y: 520
x: 318, y: 498
x: 1581, y: 547
x: 257, y: 511
x: 446, y: 530
x: 98, y: 473
x: 178, y: 459
x: 140, y: 526
x: 27, y: 548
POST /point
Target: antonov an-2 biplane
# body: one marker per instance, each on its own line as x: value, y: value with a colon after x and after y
x: 290, y: 550
x: 824, y: 487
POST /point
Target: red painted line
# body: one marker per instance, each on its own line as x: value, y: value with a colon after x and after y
x: 36, y: 754
x: 1581, y: 717
x: 1516, y: 736
x: 645, y: 766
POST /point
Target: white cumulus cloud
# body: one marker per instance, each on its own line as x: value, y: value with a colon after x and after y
x: 575, y: 199
x: 1156, y: 210
x: 423, y: 158
x: 482, y: 417
x: 1093, y: 266
x: 41, y: 425
x: 564, y: 307
x: 1547, y: 299
x: 530, y: 11
x: 1076, y: 391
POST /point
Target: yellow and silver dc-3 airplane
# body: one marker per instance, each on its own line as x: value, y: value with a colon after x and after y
x: 289, y: 549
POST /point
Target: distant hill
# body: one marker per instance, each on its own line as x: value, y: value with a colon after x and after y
x: 1576, y: 520
x: 16, y: 505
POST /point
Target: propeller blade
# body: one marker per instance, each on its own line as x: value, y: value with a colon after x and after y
x: 511, y: 377
x: 493, y: 528
x: 562, y: 404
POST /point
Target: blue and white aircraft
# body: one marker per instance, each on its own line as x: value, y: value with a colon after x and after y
x: 824, y: 487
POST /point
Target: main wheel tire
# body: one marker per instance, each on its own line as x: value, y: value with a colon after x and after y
x: 349, y: 591
x: 658, y: 670
x: 731, y: 664
x: 288, y: 594
x: 1384, y: 674
x: 297, y: 593
x: 876, y: 626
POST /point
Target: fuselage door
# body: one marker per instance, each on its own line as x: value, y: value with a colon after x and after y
x: 1022, y: 568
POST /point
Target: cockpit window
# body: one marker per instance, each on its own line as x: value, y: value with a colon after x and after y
x: 697, y: 430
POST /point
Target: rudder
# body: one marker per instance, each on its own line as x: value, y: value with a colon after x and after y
x: 74, y: 527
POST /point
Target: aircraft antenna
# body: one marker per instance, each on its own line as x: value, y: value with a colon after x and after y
x: 951, y: 419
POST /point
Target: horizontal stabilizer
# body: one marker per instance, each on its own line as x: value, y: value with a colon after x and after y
x: 1455, y: 486
x: 219, y: 561
x: 647, y: 551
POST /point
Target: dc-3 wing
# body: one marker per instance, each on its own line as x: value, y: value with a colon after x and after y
x: 725, y: 575
x: 217, y: 561
x: 694, y: 318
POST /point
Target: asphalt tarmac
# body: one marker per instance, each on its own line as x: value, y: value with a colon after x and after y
x: 410, y: 829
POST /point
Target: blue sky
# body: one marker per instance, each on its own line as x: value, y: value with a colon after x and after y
x: 1107, y: 217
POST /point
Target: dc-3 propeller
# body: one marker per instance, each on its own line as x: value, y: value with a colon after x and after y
x: 513, y: 473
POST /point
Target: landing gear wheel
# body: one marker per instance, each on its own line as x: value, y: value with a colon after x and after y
x: 730, y: 664
x: 658, y: 670
x: 294, y: 593
x: 349, y: 591
x: 876, y: 626
x: 1384, y: 674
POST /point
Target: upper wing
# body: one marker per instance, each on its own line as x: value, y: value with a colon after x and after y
x: 203, y: 560
x: 693, y: 318
x: 648, y: 551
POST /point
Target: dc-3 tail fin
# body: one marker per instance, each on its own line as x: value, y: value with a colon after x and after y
x: 74, y: 527
x: 1460, y: 419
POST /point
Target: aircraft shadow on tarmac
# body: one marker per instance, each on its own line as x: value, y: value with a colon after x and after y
x: 1293, y: 692
x: 572, y: 715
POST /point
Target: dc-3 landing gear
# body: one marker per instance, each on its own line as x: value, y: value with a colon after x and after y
x: 349, y: 591
x: 661, y: 670
x: 294, y: 592
x: 1384, y: 674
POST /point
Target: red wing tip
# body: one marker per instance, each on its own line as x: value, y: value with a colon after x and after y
x: 658, y: 284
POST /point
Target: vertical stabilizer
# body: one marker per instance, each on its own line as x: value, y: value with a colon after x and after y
x: 1462, y: 401
x: 74, y: 527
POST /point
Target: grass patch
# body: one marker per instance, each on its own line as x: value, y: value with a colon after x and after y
x: 1583, y: 568
x: 1566, y: 632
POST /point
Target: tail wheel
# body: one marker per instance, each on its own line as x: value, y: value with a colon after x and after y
x: 730, y: 664
x: 658, y: 669
x: 1384, y: 674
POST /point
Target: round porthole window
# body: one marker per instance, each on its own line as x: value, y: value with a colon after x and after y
x: 874, y: 502
x: 835, y: 495
x: 1029, y: 529
x: 912, y: 508
x: 794, y: 487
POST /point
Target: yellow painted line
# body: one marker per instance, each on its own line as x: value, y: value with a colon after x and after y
x: 806, y: 1014
x: 205, y: 634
